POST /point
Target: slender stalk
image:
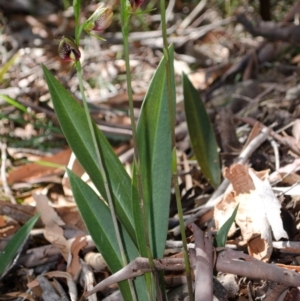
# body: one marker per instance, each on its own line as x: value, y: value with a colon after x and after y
x: 103, y: 174
x: 125, y: 30
x: 98, y: 155
x: 174, y: 169
x: 100, y: 162
x: 125, y: 16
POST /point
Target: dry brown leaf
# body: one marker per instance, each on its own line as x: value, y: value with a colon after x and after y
x: 260, y: 248
x: 8, y: 227
x: 259, y: 210
x: 33, y: 171
x: 74, y: 266
x: 53, y: 231
x: 44, y: 283
x: 240, y: 179
x: 254, y: 132
x: 203, y: 78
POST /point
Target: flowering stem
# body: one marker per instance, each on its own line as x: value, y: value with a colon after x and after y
x: 78, y: 31
x: 174, y: 169
x: 100, y: 162
x: 125, y: 16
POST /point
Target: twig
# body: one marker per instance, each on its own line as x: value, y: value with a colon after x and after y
x: 228, y: 261
x: 271, y: 30
x: 282, y: 140
x: 136, y: 268
x: 6, y: 188
x: 238, y: 263
x: 287, y: 246
x: 170, y: 9
x: 276, y: 153
x: 204, y: 265
x: 253, y: 145
x: 253, y: 102
x: 195, y: 12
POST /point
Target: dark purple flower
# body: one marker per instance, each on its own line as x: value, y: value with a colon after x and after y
x: 68, y: 51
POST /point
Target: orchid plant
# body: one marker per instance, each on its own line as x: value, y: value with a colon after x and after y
x: 130, y: 218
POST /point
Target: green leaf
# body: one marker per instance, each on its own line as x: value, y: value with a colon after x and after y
x: 13, y: 102
x: 139, y: 223
x: 155, y: 146
x: 5, y: 68
x: 12, y: 247
x: 74, y: 124
x: 221, y: 236
x: 76, y: 7
x: 98, y: 220
x: 201, y: 133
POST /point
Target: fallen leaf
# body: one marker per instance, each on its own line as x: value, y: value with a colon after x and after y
x: 259, y: 210
x: 46, y: 166
x: 74, y: 266
x: 53, y: 231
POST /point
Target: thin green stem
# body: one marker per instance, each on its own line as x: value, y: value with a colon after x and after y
x: 171, y: 102
x: 100, y: 162
x: 103, y: 174
x: 78, y: 31
x: 125, y: 16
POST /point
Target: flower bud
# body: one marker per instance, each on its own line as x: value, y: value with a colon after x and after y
x: 135, y: 4
x: 99, y: 20
x: 68, y: 50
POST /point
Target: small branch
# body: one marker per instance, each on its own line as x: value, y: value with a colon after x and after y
x: 136, y: 268
x: 282, y: 140
x: 204, y: 266
x: 195, y: 12
x: 6, y: 188
x: 228, y: 261
x: 238, y: 263
x: 287, y: 246
x: 286, y: 32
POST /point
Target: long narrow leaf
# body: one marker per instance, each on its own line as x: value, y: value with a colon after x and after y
x: 13, y: 102
x: 75, y: 127
x: 154, y: 141
x: 221, y: 236
x: 12, y: 247
x: 97, y: 218
x: 201, y: 133
x: 139, y: 222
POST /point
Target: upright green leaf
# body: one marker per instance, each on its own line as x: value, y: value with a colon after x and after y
x: 74, y: 124
x: 76, y: 7
x: 221, y: 236
x: 201, y: 133
x: 138, y: 215
x: 12, y: 247
x: 98, y: 220
x: 155, y: 146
